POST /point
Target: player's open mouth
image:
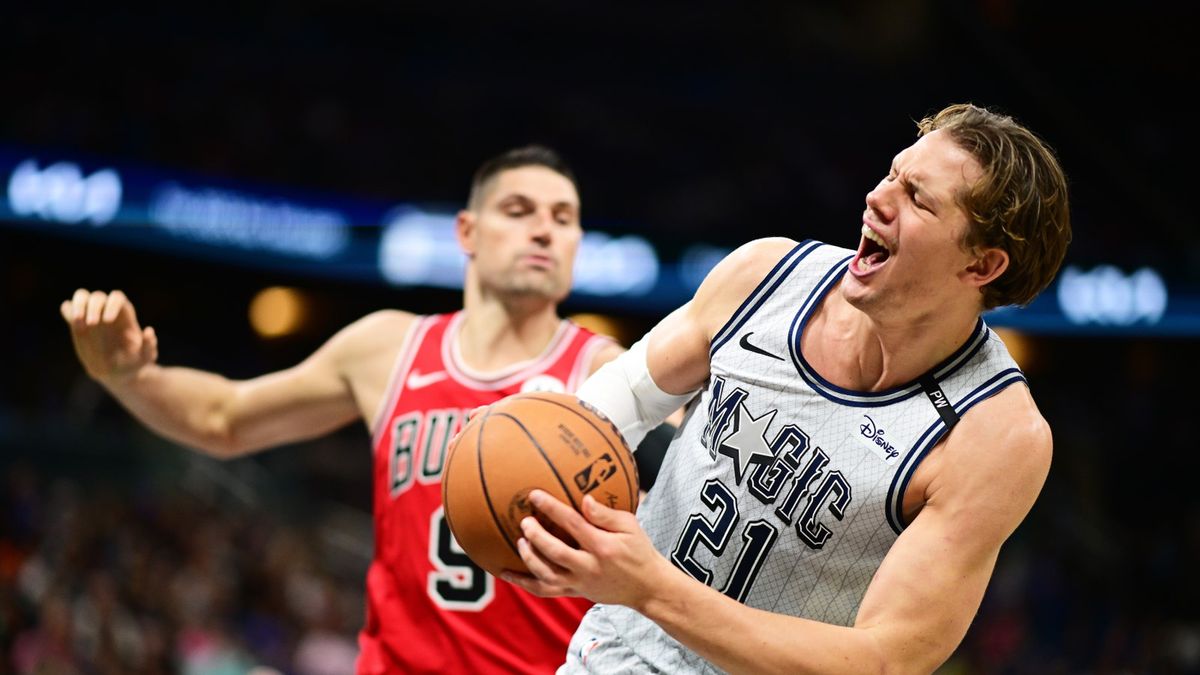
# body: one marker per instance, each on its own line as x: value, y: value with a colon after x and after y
x: 873, y: 253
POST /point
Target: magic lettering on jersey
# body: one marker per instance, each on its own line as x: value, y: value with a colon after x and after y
x: 787, y: 471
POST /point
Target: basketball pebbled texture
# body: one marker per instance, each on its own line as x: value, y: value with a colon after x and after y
x: 551, y: 441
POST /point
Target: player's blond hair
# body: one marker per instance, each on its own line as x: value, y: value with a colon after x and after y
x: 1019, y: 204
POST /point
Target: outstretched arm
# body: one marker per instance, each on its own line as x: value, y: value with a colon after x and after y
x: 219, y: 416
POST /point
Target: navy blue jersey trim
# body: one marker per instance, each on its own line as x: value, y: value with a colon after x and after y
x: 759, y: 295
x: 931, y: 436
x: 867, y: 399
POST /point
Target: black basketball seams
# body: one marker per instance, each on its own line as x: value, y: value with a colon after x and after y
x: 553, y: 469
x: 446, y: 482
x: 487, y: 496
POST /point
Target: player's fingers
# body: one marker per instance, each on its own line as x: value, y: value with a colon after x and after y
x: 65, y: 310
x: 476, y: 411
x: 95, y: 303
x: 606, y: 518
x: 529, y: 582
x: 537, y: 564
x: 128, y: 311
x: 564, y: 516
x: 112, y: 306
x: 550, y: 546
x: 149, y: 345
x: 541, y: 567
x: 79, y: 304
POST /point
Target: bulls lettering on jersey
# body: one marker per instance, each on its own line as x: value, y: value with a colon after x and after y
x: 430, y: 609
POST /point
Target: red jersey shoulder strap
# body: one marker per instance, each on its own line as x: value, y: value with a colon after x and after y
x: 591, y: 345
x: 413, y: 339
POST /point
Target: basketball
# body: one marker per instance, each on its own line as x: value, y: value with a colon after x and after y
x: 550, y: 441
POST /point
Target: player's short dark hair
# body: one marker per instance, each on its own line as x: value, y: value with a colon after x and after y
x: 527, y: 155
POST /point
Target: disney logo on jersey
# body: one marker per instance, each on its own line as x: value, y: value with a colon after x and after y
x: 872, y: 438
x: 786, y: 471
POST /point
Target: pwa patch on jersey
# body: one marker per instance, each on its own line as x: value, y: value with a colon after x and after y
x: 546, y: 383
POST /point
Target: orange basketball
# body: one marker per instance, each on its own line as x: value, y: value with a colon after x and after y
x: 544, y: 440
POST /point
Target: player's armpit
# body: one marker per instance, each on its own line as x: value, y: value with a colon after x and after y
x: 650, y: 453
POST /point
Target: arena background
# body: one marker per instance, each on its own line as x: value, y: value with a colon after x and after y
x: 693, y: 127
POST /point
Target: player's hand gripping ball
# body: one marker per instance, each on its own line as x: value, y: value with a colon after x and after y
x: 550, y: 441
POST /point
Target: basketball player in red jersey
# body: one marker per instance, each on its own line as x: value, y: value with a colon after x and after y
x: 413, y: 379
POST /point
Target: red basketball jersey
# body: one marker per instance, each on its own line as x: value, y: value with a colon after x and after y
x: 429, y: 608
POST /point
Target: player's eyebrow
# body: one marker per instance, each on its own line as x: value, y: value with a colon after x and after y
x: 920, y: 186
x: 916, y: 182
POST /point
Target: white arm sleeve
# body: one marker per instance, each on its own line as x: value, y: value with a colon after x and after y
x: 623, y: 390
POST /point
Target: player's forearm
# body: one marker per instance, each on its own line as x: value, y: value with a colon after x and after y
x: 741, y: 639
x: 624, y: 391
x: 185, y: 405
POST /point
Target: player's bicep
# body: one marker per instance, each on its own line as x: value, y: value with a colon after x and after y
x: 928, y: 589
x: 930, y: 584
x: 305, y: 401
x: 677, y: 351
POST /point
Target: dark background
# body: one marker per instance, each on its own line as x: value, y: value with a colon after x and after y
x: 704, y: 121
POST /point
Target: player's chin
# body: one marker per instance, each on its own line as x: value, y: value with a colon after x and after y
x: 856, y: 292
x: 544, y: 288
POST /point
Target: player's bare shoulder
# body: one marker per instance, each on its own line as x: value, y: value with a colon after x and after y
x: 995, y: 461
x: 746, y: 266
x: 735, y: 277
x: 610, y: 350
x: 375, y: 337
x: 363, y: 355
x: 1011, y: 422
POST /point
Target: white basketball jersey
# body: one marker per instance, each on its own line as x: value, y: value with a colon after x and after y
x: 782, y: 490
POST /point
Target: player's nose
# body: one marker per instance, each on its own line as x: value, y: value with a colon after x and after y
x: 541, y: 226
x: 881, y: 201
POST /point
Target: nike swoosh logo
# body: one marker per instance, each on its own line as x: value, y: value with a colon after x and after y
x: 417, y: 380
x: 745, y: 343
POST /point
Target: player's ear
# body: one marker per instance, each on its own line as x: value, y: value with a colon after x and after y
x: 464, y: 230
x: 988, y: 265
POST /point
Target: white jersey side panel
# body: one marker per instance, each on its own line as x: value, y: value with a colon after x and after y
x: 782, y: 490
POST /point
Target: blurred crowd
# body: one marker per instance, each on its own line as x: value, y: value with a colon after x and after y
x: 109, y: 578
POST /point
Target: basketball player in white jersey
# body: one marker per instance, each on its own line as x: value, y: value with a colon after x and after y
x: 862, y: 446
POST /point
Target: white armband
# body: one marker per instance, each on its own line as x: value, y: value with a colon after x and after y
x: 623, y: 390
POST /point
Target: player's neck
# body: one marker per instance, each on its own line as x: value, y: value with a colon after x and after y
x: 494, y: 336
x: 868, y: 352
